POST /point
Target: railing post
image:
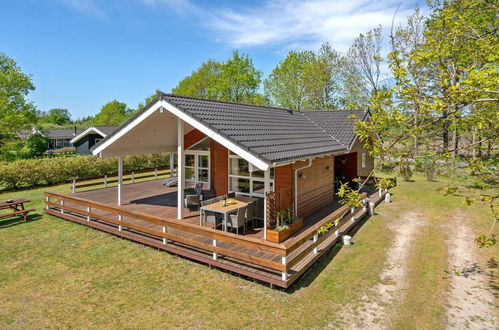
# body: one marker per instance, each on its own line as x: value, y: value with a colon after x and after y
x: 88, y: 210
x: 155, y: 173
x: 215, y: 256
x: 47, y: 199
x: 120, y: 218
x: 284, y: 273
x: 62, y: 204
x: 73, y: 186
x: 133, y: 177
x: 380, y: 192
x: 316, y: 238
x: 105, y: 181
x: 164, y: 239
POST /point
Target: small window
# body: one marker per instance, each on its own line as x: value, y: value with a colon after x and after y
x: 97, y: 140
x: 363, y: 160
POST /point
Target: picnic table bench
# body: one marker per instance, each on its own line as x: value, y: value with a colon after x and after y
x: 16, y: 207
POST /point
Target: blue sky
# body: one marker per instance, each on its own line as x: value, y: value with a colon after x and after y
x: 83, y: 53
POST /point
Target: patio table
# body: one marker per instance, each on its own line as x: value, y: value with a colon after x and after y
x: 241, y: 201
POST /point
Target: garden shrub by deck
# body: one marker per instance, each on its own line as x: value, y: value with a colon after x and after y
x: 28, y: 173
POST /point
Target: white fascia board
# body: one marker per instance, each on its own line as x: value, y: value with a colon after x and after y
x: 217, y: 137
x: 189, y: 120
x: 127, y: 128
x: 85, y: 132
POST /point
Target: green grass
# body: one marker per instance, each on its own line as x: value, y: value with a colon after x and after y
x: 60, y: 274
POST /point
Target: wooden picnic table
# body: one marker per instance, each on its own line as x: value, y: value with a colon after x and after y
x: 17, y: 208
x: 217, y: 207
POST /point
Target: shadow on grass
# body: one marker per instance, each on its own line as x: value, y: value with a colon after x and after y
x: 19, y: 220
x: 313, y: 272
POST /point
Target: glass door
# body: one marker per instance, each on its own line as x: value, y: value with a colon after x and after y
x: 197, y: 167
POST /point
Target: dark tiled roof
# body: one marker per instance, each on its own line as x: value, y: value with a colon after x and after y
x: 271, y: 134
x: 338, y: 123
x: 106, y: 129
x: 57, y: 133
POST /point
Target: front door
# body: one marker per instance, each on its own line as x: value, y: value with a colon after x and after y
x: 197, y: 167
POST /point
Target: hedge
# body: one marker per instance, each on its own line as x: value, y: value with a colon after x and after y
x: 29, y: 173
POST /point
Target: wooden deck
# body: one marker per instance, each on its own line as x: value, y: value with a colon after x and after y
x: 148, y: 215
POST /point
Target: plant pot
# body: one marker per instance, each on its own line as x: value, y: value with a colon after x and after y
x: 278, y: 236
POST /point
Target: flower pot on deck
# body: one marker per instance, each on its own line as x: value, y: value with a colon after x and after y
x: 278, y: 236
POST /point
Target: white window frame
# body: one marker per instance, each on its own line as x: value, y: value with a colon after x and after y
x: 363, y: 160
x: 196, y: 167
x: 250, y: 178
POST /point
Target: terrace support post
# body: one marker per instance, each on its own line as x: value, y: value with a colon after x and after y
x: 105, y: 181
x: 181, y: 172
x: 120, y: 177
x: 371, y: 208
x: 284, y: 273
x: 73, y: 186
x: 62, y: 204
x: 172, y: 164
x: 164, y: 239
x: 47, y: 199
x: 266, y: 178
x: 133, y: 177
x: 120, y: 218
x: 88, y: 210
x: 215, y: 256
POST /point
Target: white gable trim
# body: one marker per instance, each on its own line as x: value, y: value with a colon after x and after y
x: 191, y: 121
x: 86, y: 132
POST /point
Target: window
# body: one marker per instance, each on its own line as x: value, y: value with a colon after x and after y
x: 244, y: 180
x: 363, y: 160
x: 97, y: 140
x: 197, y: 162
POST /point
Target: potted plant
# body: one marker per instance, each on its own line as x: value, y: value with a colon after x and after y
x: 287, y: 225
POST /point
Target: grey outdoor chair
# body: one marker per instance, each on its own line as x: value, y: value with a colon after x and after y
x: 211, y: 217
x: 250, y: 213
x: 259, y: 209
x: 237, y: 220
x: 231, y: 195
x: 192, y: 202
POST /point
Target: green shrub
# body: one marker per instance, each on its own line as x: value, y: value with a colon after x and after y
x: 405, y: 169
x: 27, y: 173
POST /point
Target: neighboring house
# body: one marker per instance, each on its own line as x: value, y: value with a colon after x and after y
x: 277, y: 159
x: 90, y: 137
x: 58, y: 137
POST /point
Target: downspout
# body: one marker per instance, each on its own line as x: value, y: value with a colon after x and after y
x: 296, y: 183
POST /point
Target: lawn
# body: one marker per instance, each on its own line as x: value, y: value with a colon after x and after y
x: 60, y: 274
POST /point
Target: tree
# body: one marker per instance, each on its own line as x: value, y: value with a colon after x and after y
x: 362, y: 68
x: 286, y: 86
x: 447, y: 81
x: 239, y: 79
x: 148, y: 100
x: 57, y: 116
x: 321, y: 77
x: 201, y: 82
x: 113, y: 113
x: 36, y: 145
x: 15, y: 110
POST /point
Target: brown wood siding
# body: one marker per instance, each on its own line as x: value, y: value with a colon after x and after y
x: 316, y: 190
x: 283, y: 178
x: 219, y: 168
x: 192, y: 138
x: 358, y: 147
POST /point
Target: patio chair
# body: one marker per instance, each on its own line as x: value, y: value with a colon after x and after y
x: 259, y: 209
x: 207, y: 194
x: 218, y: 199
x: 192, y: 202
x: 237, y: 220
x: 211, y: 217
x: 231, y: 195
x: 250, y: 213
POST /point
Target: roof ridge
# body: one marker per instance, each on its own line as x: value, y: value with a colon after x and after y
x: 228, y: 102
x: 331, y: 135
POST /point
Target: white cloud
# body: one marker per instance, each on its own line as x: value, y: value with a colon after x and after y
x: 298, y: 23
x: 86, y: 6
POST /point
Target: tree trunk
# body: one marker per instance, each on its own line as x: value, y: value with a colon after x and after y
x: 473, y: 141
x: 445, y: 133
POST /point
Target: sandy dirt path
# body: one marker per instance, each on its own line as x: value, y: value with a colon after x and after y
x: 375, y: 308
x: 471, y: 301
